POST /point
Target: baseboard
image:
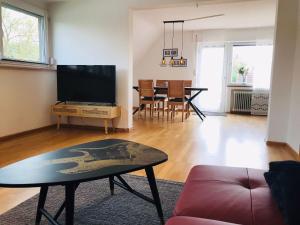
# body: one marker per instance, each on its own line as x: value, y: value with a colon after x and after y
x: 123, y: 130
x: 293, y: 151
x: 12, y: 136
x: 20, y: 134
x: 276, y: 143
x: 240, y: 113
x: 285, y: 145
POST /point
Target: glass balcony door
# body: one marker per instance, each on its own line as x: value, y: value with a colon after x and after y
x: 211, y: 74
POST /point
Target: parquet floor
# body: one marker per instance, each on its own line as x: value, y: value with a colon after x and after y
x: 230, y: 141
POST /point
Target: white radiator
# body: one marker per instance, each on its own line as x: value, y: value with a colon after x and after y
x: 241, y: 101
x: 260, y: 102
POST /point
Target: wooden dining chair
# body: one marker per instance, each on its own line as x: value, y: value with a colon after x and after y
x: 188, y: 93
x: 162, y: 95
x: 176, y: 97
x: 162, y: 83
x: 188, y: 83
x: 147, y: 97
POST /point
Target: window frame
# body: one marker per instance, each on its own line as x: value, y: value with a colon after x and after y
x: 233, y: 44
x: 43, y: 31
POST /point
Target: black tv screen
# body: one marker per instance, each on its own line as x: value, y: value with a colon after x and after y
x: 86, y: 83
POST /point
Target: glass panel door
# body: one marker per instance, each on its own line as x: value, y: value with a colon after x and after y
x: 210, y: 74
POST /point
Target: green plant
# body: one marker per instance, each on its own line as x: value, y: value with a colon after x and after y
x: 243, y: 70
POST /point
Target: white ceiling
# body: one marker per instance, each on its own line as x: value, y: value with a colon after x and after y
x: 238, y: 14
x: 246, y: 14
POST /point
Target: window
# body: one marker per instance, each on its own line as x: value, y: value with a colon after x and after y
x: 255, y: 61
x: 23, y: 37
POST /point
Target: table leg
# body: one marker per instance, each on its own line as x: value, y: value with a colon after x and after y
x: 62, y: 207
x: 60, y: 210
x: 70, y: 200
x: 200, y: 111
x: 136, y: 110
x: 155, y: 194
x: 41, y: 204
x: 139, y: 108
x: 196, y: 110
x: 112, y: 185
x: 58, y: 122
x: 113, y: 125
x: 106, y: 126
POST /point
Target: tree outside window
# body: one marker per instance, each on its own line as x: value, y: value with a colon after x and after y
x: 22, y: 35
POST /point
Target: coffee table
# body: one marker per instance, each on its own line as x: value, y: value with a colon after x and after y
x: 71, y: 166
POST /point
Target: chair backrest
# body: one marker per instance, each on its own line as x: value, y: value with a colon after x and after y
x: 146, y: 88
x: 176, y: 89
x: 188, y: 83
x: 162, y: 83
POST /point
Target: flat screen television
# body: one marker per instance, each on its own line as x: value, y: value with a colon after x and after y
x: 96, y: 84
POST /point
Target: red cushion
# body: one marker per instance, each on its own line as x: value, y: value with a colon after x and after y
x: 264, y: 209
x: 182, y: 220
x: 233, y: 195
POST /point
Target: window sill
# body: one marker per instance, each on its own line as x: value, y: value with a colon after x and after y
x: 239, y: 85
x: 25, y: 66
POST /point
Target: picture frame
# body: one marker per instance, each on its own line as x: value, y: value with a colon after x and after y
x: 177, y: 63
x: 170, y: 52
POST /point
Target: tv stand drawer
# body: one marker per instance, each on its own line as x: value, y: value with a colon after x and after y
x: 95, y: 112
x: 65, y: 110
x: 105, y: 112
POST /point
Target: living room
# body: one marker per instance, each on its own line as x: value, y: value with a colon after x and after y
x: 102, y: 33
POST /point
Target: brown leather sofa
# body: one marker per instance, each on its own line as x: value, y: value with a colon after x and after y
x: 225, y: 196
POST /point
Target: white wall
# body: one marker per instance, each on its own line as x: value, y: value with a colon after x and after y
x: 231, y: 35
x: 147, y: 65
x: 148, y: 45
x: 293, y: 135
x: 94, y: 33
x: 99, y: 32
x: 283, y: 68
x: 25, y: 96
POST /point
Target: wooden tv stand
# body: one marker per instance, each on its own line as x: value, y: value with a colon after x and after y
x: 88, y: 111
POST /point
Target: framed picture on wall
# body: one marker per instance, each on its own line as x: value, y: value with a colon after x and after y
x: 170, y: 52
x: 177, y: 63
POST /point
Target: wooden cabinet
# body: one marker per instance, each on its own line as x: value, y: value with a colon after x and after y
x: 108, y: 113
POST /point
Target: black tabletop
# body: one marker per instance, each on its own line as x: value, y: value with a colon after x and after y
x: 84, y: 162
x: 186, y: 88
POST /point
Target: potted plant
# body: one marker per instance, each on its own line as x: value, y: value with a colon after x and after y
x: 243, y: 72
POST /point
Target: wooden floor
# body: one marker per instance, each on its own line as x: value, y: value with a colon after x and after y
x: 230, y: 141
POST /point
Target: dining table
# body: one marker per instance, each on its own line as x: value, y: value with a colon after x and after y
x: 195, y: 92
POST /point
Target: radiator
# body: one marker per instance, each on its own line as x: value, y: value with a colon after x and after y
x: 241, y: 101
x: 260, y: 102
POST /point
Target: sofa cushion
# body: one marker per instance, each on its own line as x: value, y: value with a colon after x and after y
x: 233, y: 195
x: 182, y: 220
x: 216, y: 193
x: 264, y: 208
